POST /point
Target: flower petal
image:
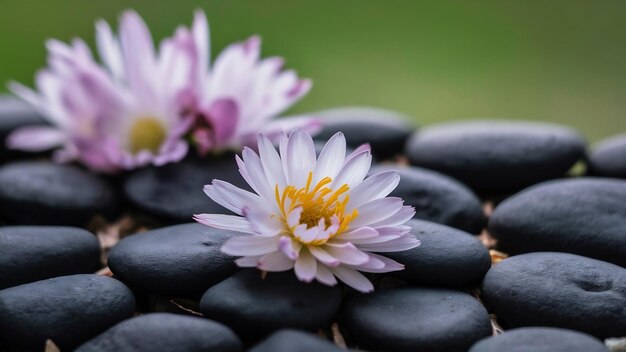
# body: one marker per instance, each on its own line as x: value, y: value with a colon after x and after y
x: 403, y: 243
x: 272, y: 164
x: 300, y: 158
x: 324, y: 276
x: 275, y: 261
x: 403, y: 215
x: 374, y: 187
x: 250, y: 245
x: 353, y: 279
x: 36, y: 138
x: 346, y: 252
x: 225, y: 222
x: 323, y: 256
x: 306, y: 266
x: 377, y: 210
x: 331, y: 158
x: 353, y: 171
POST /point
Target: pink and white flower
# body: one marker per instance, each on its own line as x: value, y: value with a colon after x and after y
x: 317, y: 215
x: 239, y: 95
x: 126, y: 114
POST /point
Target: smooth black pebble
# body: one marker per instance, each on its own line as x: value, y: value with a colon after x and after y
x: 559, y: 290
x: 386, y: 131
x: 437, y: 198
x: 174, y: 192
x: 497, y: 156
x: 14, y: 114
x: 540, y: 339
x: 288, y: 340
x: 446, y: 257
x: 165, y: 332
x: 585, y: 216
x: 69, y: 310
x: 32, y: 253
x: 608, y: 158
x: 43, y: 193
x: 254, y: 305
x: 416, y: 319
x: 181, y: 260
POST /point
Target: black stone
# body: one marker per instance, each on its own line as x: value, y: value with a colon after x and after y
x: 540, y: 340
x: 608, y: 158
x: 182, y: 260
x: 173, y: 193
x: 69, y: 310
x: 386, y: 131
x: 43, y: 193
x: 497, y: 156
x: 559, y: 290
x: 32, y: 253
x: 164, y: 332
x: 14, y: 114
x: 446, y: 257
x: 288, y: 340
x: 438, y: 198
x: 250, y: 304
x: 416, y: 319
x: 585, y: 216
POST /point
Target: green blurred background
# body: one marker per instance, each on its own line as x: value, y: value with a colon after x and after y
x: 562, y: 61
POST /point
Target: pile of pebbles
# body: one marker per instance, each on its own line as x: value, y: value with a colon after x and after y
x: 483, y: 190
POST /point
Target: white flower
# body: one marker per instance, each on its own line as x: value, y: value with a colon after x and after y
x: 318, y: 216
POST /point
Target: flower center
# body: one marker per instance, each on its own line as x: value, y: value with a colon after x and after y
x: 321, y: 206
x: 146, y: 133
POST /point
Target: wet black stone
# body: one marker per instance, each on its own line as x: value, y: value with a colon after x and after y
x: 497, y: 156
x: 69, y: 310
x: 558, y: 290
x: 181, y: 260
x: 250, y: 304
x: 416, y: 319
x: 608, y: 158
x: 14, y: 114
x: 446, y: 257
x: 540, y: 340
x: 585, y: 216
x: 173, y: 193
x: 43, y: 193
x: 164, y: 332
x: 438, y: 198
x: 288, y: 340
x: 32, y: 253
x: 386, y: 131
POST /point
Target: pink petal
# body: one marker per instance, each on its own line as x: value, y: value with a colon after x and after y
x: 403, y: 215
x: 271, y: 163
x: 250, y: 245
x: 403, y: 243
x: 275, y: 261
x: 248, y: 262
x: 353, y: 279
x: 331, y: 158
x: 223, y: 116
x: 347, y: 253
x: 225, y: 222
x: 379, y: 264
x: 374, y: 187
x: 306, y: 266
x: 289, y: 247
x: 377, y: 210
x: 300, y: 158
x: 353, y: 171
x: 323, y: 256
x: 357, y: 234
x: 36, y: 138
x: 324, y: 276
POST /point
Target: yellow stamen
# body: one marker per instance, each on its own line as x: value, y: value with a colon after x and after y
x: 146, y: 133
x: 318, y: 203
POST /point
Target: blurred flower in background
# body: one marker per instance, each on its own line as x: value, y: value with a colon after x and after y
x: 136, y: 108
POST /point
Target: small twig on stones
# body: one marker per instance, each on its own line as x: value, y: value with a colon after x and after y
x: 180, y: 306
x: 337, y: 336
x: 105, y: 272
x: 497, y: 329
x: 51, y: 346
x: 616, y: 344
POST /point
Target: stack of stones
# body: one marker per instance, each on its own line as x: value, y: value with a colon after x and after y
x: 477, y: 186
